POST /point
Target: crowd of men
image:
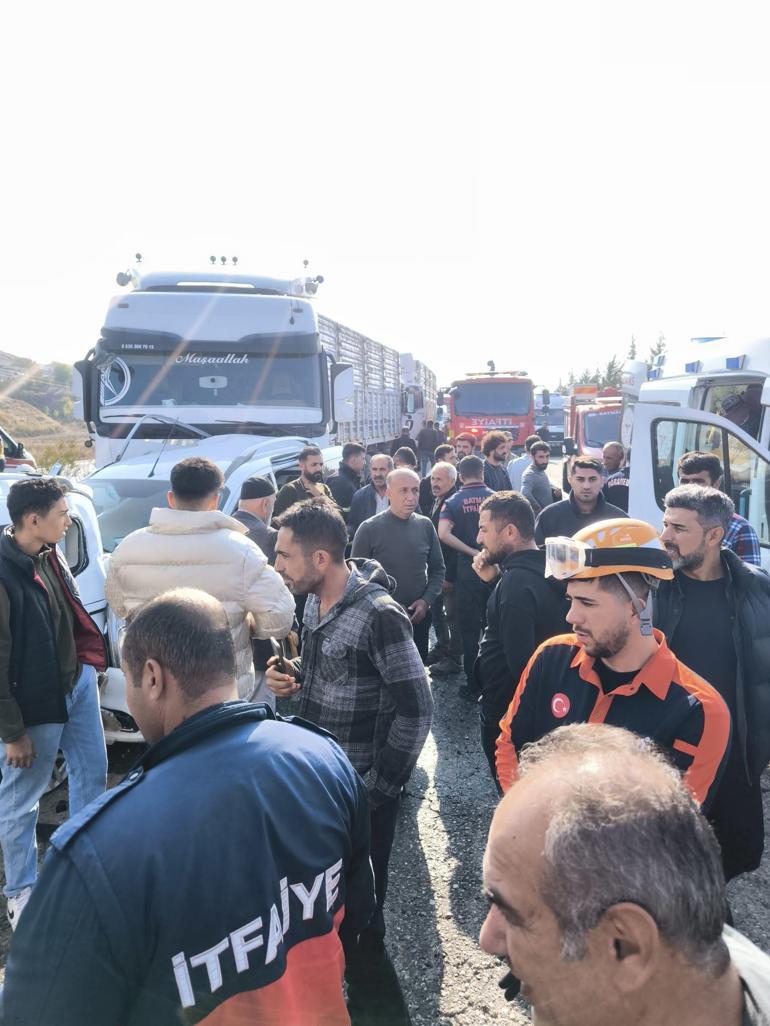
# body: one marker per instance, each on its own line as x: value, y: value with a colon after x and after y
x: 621, y: 673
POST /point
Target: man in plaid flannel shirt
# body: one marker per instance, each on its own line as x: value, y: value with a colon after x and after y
x: 360, y: 675
x: 704, y: 468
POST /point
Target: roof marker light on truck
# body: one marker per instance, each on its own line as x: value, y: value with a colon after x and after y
x: 693, y: 368
x: 735, y: 362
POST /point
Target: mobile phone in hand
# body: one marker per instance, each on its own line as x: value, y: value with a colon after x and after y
x: 281, y: 665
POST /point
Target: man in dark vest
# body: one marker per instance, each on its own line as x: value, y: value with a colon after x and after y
x: 255, y: 511
x: 50, y: 652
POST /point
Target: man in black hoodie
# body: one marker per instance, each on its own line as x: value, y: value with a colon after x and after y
x: 524, y: 609
x: 349, y: 479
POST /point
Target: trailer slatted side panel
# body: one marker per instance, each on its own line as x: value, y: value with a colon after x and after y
x: 377, y: 389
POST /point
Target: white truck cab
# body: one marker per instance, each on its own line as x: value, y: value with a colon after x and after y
x: 713, y: 396
x: 187, y: 355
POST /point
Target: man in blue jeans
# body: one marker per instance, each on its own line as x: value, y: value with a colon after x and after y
x: 50, y: 650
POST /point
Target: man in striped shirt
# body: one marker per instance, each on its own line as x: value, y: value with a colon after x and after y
x: 704, y: 468
x: 615, y: 669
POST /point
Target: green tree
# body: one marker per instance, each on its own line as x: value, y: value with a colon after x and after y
x: 658, y: 349
x: 61, y: 373
x: 613, y: 374
x: 632, y: 349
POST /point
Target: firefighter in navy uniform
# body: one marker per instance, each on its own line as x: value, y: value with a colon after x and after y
x: 615, y: 668
x: 213, y: 881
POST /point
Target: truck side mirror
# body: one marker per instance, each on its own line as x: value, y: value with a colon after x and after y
x: 546, y: 398
x: 569, y: 446
x: 343, y: 387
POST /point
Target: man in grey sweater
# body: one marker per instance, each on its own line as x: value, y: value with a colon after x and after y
x: 407, y: 547
x: 535, y: 484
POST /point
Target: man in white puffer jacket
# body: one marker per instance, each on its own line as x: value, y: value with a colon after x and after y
x: 193, y: 545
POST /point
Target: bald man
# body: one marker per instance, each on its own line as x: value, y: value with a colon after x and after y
x: 606, y: 892
x: 406, y: 545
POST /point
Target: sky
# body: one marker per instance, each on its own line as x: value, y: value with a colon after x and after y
x: 528, y: 183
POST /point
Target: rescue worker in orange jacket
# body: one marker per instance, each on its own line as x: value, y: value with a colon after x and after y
x: 615, y: 668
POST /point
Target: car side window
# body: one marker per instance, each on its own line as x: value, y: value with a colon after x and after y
x: 746, y: 474
x: 73, y: 545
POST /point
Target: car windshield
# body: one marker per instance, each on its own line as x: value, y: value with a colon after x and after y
x: 495, y: 398
x: 601, y: 428
x: 125, y: 506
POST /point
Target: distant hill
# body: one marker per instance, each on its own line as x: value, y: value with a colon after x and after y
x: 22, y: 420
x: 45, y: 387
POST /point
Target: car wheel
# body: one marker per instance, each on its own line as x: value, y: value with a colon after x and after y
x: 59, y: 774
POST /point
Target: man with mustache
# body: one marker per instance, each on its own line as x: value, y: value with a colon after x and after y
x: 606, y: 897
x: 309, y: 484
x: 373, y: 497
x: 615, y: 669
x: 716, y: 613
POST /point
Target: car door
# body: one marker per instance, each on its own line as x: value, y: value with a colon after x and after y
x: 661, y: 436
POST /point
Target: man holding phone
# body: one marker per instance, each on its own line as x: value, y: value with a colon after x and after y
x: 360, y: 676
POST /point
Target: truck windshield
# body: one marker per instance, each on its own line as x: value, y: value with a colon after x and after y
x: 125, y: 506
x: 495, y: 398
x: 601, y: 428
x: 133, y: 383
x: 554, y: 419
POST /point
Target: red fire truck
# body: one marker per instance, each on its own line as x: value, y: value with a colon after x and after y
x: 492, y: 401
x: 591, y: 419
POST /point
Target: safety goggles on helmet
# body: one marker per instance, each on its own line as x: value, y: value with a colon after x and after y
x: 613, y: 547
x: 570, y: 557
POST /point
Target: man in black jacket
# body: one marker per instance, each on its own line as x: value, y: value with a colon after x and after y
x: 716, y: 615
x: 442, y: 454
x: 446, y: 658
x: 50, y: 652
x: 586, y: 505
x: 349, y: 479
x: 372, y: 498
x: 495, y: 450
x: 524, y: 609
x: 427, y: 440
x: 404, y: 439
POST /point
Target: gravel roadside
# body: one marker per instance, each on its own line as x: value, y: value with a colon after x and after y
x: 434, y: 908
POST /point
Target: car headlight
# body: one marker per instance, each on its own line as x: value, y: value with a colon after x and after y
x: 116, y: 630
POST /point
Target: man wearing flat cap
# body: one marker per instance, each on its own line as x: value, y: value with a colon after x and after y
x: 255, y: 511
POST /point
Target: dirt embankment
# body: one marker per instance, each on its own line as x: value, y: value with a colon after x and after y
x: 48, y: 440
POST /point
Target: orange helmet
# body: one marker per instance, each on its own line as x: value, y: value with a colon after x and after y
x: 612, y: 547
x: 609, y: 547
